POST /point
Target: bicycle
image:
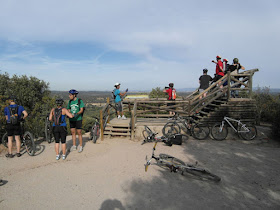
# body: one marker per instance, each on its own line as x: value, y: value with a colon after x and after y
x: 26, y: 139
x: 95, y: 130
x: 48, y: 130
x: 197, y: 130
x: 176, y: 165
x: 219, y: 131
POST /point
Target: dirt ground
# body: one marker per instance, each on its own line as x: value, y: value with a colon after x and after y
x: 110, y: 175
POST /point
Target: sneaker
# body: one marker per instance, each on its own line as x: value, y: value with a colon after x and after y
x: 18, y: 154
x: 80, y: 149
x: 119, y: 117
x: 57, y: 157
x: 63, y: 157
x: 73, y: 148
x: 123, y: 117
x: 9, y: 155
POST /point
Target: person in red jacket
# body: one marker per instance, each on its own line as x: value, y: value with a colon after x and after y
x: 219, y: 69
x: 171, y: 91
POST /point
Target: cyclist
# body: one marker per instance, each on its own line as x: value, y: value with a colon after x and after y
x: 219, y: 69
x: 76, y: 106
x: 58, y: 115
x: 14, y: 113
x: 204, y: 82
x: 118, y: 100
x: 171, y: 91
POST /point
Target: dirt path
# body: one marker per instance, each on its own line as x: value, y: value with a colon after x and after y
x: 110, y: 175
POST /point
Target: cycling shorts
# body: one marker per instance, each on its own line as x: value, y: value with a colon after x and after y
x: 76, y: 124
x: 60, y: 133
x: 13, y: 130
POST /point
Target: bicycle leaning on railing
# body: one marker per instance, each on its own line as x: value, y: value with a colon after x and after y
x: 26, y: 139
x: 176, y: 165
x: 95, y: 130
x: 197, y: 130
x: 219, y: 131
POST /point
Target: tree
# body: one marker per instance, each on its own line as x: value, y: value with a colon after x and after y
x: 157, y: 93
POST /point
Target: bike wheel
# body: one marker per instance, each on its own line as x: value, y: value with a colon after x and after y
x: 91, y: 133
x: 169, y: 162
x: 171, y: 128
x: 29, y: 143
x: 219, y: 133
x: 201, y: 174
x: 96, y: 133
x: 247, y: 132
x: 48, y: 132
x: 5, y: 140
x: 200, y: 131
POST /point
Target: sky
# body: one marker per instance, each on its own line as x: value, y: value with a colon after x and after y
x: 142, y: 44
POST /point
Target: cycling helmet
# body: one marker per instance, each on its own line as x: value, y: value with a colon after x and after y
x: 12, y: 98
x: 205, y: 70
x: 225, y: 60
x: 218, y: 57
x: 59, y: 101
x: 117, y: 84
x: 235, y: 60
x: 73, y: 92
x: 171, y: 84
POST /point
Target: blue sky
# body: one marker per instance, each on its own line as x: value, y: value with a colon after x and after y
x: 91, y: 45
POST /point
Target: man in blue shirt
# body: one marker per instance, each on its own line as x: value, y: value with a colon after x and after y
x: 118, y: 100
x: 14, y: 113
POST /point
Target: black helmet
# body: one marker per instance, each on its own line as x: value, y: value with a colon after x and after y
x: 12, y: 98
x: 235, y: 60
x: 59, y: 101
x: 205, y: 70
x: 171, y: 85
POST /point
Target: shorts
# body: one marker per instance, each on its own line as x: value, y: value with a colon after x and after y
x: 119, y: 106
x: 13, y: 130
x: 171, y: 104
x: 217, y: 77
x: 76, y: 124
x: 60, y: 133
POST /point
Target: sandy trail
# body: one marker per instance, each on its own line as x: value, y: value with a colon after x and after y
x: 110, y: 175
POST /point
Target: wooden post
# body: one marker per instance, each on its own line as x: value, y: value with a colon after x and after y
x: 108, y: 112
x: 132, y: 127
x: 250, y: 86
x: 229, y: 86
x: 101, y: 126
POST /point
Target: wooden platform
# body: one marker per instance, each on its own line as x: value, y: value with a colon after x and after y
x: 118, y: 127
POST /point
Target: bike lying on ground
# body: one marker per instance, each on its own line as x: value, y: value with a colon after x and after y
x: 197, y: 130
x: 26, y: 139
x: 220, y: 130
x: 95, y: 131
x: 150, y: 136
x: 177, y: 165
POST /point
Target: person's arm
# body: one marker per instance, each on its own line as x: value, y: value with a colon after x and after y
x: 242, y: 67
x: 6, y: 113
x: 51, y: 115
x: 25, y: 114
x: 70, y: 115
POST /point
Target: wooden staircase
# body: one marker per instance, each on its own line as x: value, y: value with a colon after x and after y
x: 118, y: 127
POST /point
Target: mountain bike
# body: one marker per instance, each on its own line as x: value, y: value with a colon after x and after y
x: 197, y: 130
x: 219, y: 131
x: 176, y: 165
x: 26, y: 138
x: 95, y: 131
x: 48, y: 130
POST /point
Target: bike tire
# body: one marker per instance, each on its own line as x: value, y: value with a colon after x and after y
x: 171, y: 128
x: 91, y: 133
x: 250, y: 135
x: 217, y: 133
x: 167, y: 161
x: 96, y: 133
x: 29, y: 143
x: 5, y: 140
x: 48, y: 132
x: 200, y: 131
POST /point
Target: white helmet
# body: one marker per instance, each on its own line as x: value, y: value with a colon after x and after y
x: 117, y: 84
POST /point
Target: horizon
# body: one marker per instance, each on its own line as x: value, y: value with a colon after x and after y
x: 137, y: 43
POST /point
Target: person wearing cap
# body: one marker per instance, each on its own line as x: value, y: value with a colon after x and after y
x: 118, y: 100
x: 58, y: 115
x: 219, y: 69
x: 76, y: 106
x: 234, y: 69
x: 204, y: 82
x: 171, y: 91
x: 14, y: 113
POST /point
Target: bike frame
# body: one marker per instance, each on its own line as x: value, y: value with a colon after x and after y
x: 229, y: 120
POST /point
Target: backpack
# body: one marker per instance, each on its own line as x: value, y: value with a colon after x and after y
x: 79, y: 103
x: 173, y: 94
x: 14, y: 115
x: 113, y: 96
x: 174, y: 139
x: 57, y: 116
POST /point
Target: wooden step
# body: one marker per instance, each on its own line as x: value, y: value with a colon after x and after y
x: 117, y: 134
x: 117, y: 129
x: 205, y: 113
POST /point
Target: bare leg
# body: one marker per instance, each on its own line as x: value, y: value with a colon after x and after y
x: 57, y: 148
x: 18, y: 143
x: 63, y: 146
x: 73, y: 132
x: 79, y: 132
x: 10, y: 144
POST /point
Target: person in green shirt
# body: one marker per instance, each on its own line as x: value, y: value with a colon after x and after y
x: 76, y: 107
